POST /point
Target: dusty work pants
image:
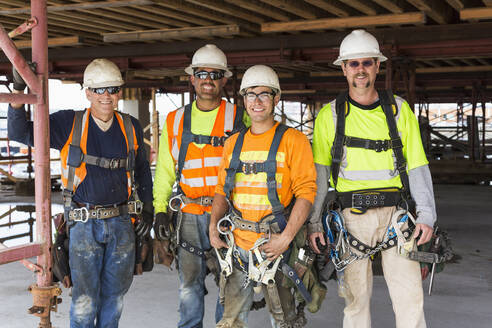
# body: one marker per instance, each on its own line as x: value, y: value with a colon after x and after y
x: 192, y: 271
x: 238, y: 300
x: 401, y: 274
x: 102, y: 258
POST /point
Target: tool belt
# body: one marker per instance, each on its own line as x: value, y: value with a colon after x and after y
x: 365, y: 199
x: 82, y: 214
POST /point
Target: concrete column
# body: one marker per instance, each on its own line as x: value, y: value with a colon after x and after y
x: 136, y: 103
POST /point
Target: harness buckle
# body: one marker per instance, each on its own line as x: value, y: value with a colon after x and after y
x: 249, y: 168
x: 80, y: 214
x: 114, y: 163
x: 217, y: 141
x: 135, y: 207
x: 381, y: 145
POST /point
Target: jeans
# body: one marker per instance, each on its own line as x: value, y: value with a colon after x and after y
x: 102, y: 259
x: 192, y: 271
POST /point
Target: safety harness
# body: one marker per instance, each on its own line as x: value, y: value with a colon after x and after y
x: 188, y: 137
x: 75, y: 159
x: 362, y: 200
x: 260, y: 270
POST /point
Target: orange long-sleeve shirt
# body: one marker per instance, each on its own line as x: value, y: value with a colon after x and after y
x: 296, y: 176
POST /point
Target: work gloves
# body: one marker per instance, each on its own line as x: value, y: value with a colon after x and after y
x: 162, y: 226
x: 146, y: 219
x: 19, y: 83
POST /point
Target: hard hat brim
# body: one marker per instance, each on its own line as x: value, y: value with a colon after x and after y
x: 340, y: 59
x: 189, y: 70
x: 104, y: 84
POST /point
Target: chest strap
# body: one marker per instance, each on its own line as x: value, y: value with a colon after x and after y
x: 269, y: 167
x: 376, y: 145
x: 188, y: 137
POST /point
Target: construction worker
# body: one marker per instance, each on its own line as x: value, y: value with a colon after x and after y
x: 103, y: 159
x: 192, y: 142
x: 367, y: 144
x: 267, y: 181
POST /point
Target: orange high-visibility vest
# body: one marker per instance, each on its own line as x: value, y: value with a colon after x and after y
x: 199, y: 175
x: 81, y: 171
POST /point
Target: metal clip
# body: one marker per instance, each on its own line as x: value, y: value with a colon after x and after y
x: 177, y: 197
x: 135, y: 207
x: 80, y: 214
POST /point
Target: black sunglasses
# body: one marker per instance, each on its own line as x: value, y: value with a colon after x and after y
x: 101, y: 91
x: 214, y: 75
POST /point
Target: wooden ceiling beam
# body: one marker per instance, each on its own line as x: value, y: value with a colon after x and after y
x: 456, y: 4
x: 224, y: 8
x: 295, y: 7
x: 391, y: 5
x: 201, y: 12
x: 360, y: 6
x: 177, y: 33
x: 162, y: 21
x: 347, y: 22
x: 476, y: 13
x: 488, y: 3
x: 437, y: 10
x: 52, y: 42
x: 260, y: 8
x: 330, y: 6
x: 176, y: 15
x: 79, y: 6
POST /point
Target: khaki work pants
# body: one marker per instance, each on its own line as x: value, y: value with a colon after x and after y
x: 402, y: 275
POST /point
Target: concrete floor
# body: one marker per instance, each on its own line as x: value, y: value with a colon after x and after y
x: 462, y: 294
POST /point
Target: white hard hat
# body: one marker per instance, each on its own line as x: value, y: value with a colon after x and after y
x: 102, y: 73
x: 209, y: 56
x: 359, y: 44
x: 259, y: 76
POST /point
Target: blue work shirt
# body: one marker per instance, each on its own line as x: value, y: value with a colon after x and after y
x: 101, y: 186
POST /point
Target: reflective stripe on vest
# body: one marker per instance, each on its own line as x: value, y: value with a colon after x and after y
x: 81, y: 172
x: 201, y: 165
x: 364, y: 175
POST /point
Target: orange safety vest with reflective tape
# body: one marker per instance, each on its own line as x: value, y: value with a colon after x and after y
x: 199, y: 174
x: 81, y: 171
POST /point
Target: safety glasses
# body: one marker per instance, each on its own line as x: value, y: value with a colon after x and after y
x: 365, y: 63
x: 101, y: 91
x: 214, y: 75
x: 263, y: 96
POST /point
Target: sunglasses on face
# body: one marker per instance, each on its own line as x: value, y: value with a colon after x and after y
x: 214, y: 75
x: 263, y: 96
x: 365, y: 63
x: 101, y: 91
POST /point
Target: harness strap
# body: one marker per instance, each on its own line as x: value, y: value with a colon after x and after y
x: 364, y: 248
x: 376, y: 145
x: 195, y: 250
x: 269, y: 167
x: 292, y: 275
x: 388, y: 103
x: 337, y: 148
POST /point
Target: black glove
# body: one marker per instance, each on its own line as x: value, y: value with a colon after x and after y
x: 162, y: 225
x: 19, y: 83
x: 146, y: 219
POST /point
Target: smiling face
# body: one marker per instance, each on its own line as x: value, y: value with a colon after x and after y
x: 260, y: 110
x: 361, y: 73
x: 208, y: 89
x: 102, y: 106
